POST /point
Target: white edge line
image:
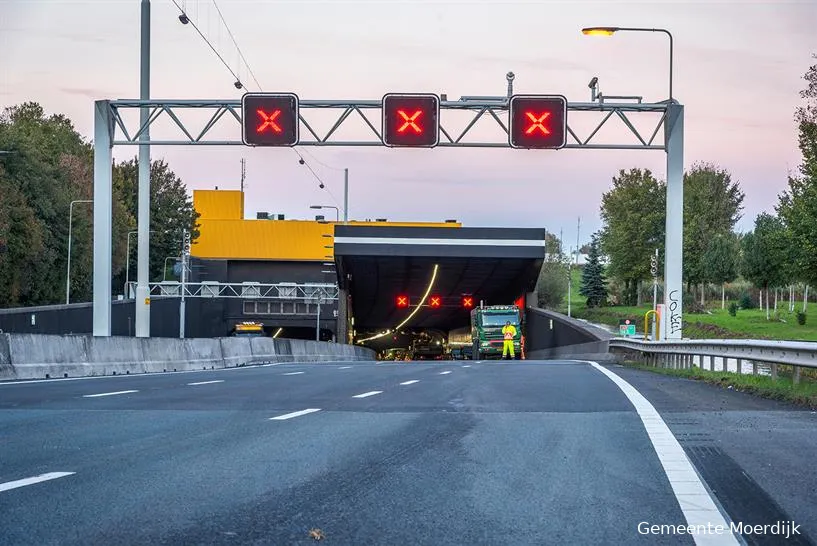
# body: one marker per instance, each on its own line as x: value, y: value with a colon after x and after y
x: 367, y: 394
x: 675, y: 463
x: 32, y: 480
x: 294, y: 414
x: 107, y: 394
x: 206, y: 382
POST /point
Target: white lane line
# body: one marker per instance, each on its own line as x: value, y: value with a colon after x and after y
x: 366, y: 394
x: 697, y: 505
x: 445, y: 373
x: 412, y: 382
x: 466, y: 365
x: 294, y: 414
x: 344, y: 367
x: 34, y: 479
x: 293, y: 373
x: 206, y: 382
x: 107, y: 394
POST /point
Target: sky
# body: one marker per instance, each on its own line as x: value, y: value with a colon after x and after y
x: 738, y: 68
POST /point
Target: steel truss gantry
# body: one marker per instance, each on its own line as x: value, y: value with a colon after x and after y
x: 112, y: 128
x: 303, y: 292
x: 369, y: 113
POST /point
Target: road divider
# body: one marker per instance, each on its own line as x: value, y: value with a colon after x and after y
x: 32, y: 480
x: 41, y: 356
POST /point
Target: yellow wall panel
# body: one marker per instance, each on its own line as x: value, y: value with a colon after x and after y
x: 219, y: 204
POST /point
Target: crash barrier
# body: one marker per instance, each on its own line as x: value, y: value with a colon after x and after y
x: 37, y: 356
x: 756, y: 357
x: 551, y: 335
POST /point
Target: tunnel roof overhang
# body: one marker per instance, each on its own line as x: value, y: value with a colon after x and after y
x: 376, y: 264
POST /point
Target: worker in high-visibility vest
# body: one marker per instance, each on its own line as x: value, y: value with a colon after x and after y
x: 508, y: 333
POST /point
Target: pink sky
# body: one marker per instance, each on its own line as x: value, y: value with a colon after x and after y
x: 738, y: 70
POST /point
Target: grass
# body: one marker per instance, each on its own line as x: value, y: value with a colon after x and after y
x: 715, y: 324
x: 803, y: 393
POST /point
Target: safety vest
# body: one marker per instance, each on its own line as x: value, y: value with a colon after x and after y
x: 509, y: 332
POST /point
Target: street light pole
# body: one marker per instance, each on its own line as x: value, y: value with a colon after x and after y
x: 337, y: 212
x: 143, y: 222
x: 346, y: 196
x: 318, y: 323
x: 127, y: 260
x: 68, y: 267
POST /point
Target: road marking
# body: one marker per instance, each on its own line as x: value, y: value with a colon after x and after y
x: 34, y: 479
x: 293, y: 373
x: 207, y: 382
x: 412, y: 382
x: 697, y: 505
x: 366, y: 394
x: 445, y: 373
x: 466, y: 365
x: 107, y: 394
x: 344, y: 367
x: 294, y: 414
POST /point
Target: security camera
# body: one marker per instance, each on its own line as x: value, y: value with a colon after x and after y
x: 321, y: 186
x: 183, y: 18
x: 510, y: 76
x: 593, y: 82
x: 238, y: 84
x: 301, y: 161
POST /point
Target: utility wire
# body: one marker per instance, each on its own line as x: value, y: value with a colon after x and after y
x: 235, y: 43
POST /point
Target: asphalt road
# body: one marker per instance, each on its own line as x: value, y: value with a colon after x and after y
x: 397, y: 453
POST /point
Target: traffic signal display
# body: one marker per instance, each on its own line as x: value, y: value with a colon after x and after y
x: 538, y: 121
x: 468, y: 302
x: 435, y: 301
x: 411, y: 120
x: 402, y: 301
x: 269, y: 119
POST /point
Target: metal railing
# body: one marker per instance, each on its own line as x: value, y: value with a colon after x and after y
x: 694, y: 352
x: 308, y: 292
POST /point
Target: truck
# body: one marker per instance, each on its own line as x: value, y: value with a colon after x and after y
x: 248, y: 329
x: 486, y: 330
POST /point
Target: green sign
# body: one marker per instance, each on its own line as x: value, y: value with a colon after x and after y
x: 626, y: 327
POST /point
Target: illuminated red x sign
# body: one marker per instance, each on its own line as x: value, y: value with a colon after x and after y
x: 537, y: 122
x: 268, y: 121
x: 467, y: 302
x: 402, y: 301
x: 409, y: 121
x: 435, y: 301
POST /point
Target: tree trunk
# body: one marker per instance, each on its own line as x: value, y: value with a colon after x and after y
x: 775, y: 300
x: 791, y: 298
x: 638, y: 299
x: 723, y: 296
x: 767, y: 303
x: 760, y: 299
x: 805, y: 298
x: 703, y: 293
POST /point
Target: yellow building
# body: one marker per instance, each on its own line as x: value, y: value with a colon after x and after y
x: 226, y: 235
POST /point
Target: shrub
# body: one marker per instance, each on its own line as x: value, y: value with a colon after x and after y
x: 746, y: 301
x: 733, y: 309
x: 801, y: 318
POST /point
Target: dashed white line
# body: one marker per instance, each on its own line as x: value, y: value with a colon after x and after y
x: 696, y: 503
x: 466, y: 365
x: 412, y: 382
x: 367, y: 394
x: 34, y: 479
x: 344, y: 367
x: 206, y: 382
x: 294, y: 414
x: 293, y: 373
x: 107, y: 394
x: 445, y: 373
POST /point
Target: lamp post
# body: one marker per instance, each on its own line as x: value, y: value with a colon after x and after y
x: 337, y: 211
x: 609, y: 31
x: 671, y: 326
x: 68, y: 267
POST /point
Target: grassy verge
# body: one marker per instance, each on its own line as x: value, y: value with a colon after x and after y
x: 802, y: 394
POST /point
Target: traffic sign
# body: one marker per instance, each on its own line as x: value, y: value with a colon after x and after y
x: 626, y: 327
x: 468, y: 302
x: 269, y: 119
x: 402, y: 301
x: 537, y: 121
x: 411, y: 120
x: 435, y: 301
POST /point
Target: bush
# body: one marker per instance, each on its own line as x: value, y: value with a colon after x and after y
x: 801, y: 318
x: 746, y: 301
x: 733, y: 309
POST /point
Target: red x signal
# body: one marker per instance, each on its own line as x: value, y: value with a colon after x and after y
x: 268, y: 121
x: 435, y: 301
x: 402, y: 301
x: 537, y: 123
x: 410, y: 121
x: 468, y: 302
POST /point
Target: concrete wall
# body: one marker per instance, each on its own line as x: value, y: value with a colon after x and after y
x: 36, y: 356
x: 552, y: 335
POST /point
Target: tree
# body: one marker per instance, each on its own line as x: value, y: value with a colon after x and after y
x: 721, y: 261
x: 712, y: 207
x: 171, y: 212
x: 633, y: 216
x: 594, y: 286
x: 764, y: 252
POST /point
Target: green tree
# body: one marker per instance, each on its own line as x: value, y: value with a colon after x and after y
x: 712, y: 207
x: 721, y: 261
x: 594, y: 286
x: 633, y: 216
x: 171, y: 212
x: 764, y: 254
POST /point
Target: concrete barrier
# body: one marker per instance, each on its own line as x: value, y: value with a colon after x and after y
x: 36, y: 356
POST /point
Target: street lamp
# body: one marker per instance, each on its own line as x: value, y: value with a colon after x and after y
x: 70, y: 227
x: 127, y: 262
x: 337, y: 210
x: 609, y: 31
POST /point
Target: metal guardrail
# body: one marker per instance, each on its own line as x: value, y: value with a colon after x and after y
x: 688, y: 352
